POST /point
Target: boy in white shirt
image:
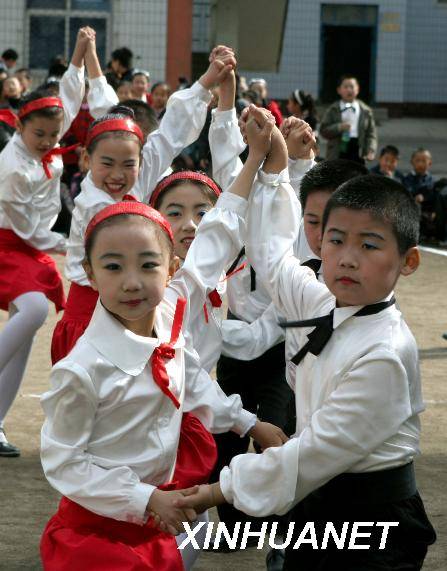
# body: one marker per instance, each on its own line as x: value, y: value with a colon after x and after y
x: 358, y: 394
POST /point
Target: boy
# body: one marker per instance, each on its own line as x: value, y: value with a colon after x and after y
x: 358, y: 393
x: 349, y: 125
x: 387, y: 166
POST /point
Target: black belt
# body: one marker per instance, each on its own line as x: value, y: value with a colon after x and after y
x: 383, y: 486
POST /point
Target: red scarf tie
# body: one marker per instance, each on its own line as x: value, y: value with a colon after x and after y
x: 57, y: 151
x: 167, y: 351
x: 216, y: 301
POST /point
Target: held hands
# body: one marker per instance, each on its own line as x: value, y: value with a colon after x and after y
x: 256, y: 126
x: 85, y: 36
x: 222, y: 62
x: 201, y: 498
x: 167, y: 516
x: 299, y: 138
x: 267, y: 435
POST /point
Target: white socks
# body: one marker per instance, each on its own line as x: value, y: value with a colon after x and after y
x: 27, y: 315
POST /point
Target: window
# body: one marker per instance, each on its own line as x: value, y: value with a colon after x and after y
x: 52, y: 27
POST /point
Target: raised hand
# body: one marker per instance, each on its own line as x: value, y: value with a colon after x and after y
x: 267, y: 435
x: 299, y: 138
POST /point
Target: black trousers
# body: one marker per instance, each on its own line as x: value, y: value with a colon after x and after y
x: 352, y: 152
x: 342, y: 500
x: 264, y: 391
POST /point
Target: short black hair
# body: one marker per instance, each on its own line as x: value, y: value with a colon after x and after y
x: 386, y: 199
x: 346, y: 76
x: 328, y: 175
x: 142, y: 112
x: 46, y: 112
x: 124, y: 56
x: 10, y: 54
x: 26, y: 71
x: 420, y: 150
x: 390, y: 150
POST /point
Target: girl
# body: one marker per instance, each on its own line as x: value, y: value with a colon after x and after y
x: 110, y: 439
x: 114, y: 147
x: 302, y: 105
x: 160, y: 92
x: 29, y: 204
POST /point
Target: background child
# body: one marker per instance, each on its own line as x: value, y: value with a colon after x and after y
x: 302, y: 105
x: 358, y: 391
x: 348, y: 125
x: 29, y: 204
x: 387, y: 165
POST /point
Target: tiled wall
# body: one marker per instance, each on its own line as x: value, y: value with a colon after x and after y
x: 12, y: 24
x: 141, y: 26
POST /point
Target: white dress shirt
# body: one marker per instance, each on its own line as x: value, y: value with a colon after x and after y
x: 110, y: 436
x: 350, y: 113
x: 357, y: 403
x: 181, y: 125
x: 29, y: 201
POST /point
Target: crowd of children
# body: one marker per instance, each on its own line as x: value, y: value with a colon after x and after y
x: 315, y: 362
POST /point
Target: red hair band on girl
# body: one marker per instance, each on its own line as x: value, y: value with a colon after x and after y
x: 184, y: 175
x: 41, y: 103
x: 8, y: 117
x: 114, y: 125
x: 129, y: 207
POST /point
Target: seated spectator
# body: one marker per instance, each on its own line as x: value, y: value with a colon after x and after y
x: 58, y: 66
x: 140, y: 85
x: 9, y: 59
x: 302, y: 105
x: 24, y: 77
x: 260, y: 85
x: 124, y: 90
x: 387, y: 165
x: 11, y: 93
x: 160, y: 93
x: 121, y: 64
x: 252, y: 96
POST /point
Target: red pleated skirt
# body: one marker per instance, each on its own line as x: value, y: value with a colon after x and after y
x: 79, y: 309
x: 24, y: 269
x: 76, y: 539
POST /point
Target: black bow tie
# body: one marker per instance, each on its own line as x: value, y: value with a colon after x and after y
x: 314, y: 264
x: 324, y: 327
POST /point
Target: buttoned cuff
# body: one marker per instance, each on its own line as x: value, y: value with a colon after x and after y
x: 225, y: 484
x: 244, y: 423
x: 228, y: 116
x: 274, y: 179
x: 203, y: 93
x: 299, y: 167
x: 141, y: 494
x: 233, y: 202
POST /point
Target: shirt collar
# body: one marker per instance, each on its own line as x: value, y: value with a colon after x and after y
x: 23, y: 149
x: 126, y: 350
x: 341, y: 314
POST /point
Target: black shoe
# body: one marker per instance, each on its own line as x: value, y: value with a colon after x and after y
x: 275, y: 560
x: 223, y: 547
x: 7, y: 449
x: 444, y: 336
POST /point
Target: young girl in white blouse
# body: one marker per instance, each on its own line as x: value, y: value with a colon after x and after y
x: 358, y: 390
x: 30, y: 167
x: 122, y: 165
x: 109, y: 442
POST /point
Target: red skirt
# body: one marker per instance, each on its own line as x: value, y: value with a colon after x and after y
x: 24, y: 269
x: 76, y: 538
x: 196, y: 454
x: 81, y: 304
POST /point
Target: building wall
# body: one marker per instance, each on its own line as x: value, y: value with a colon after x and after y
x: 12, y: 26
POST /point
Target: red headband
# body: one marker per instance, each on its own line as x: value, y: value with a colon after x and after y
x: 114, y: 125
x: 184, y: 175
x: 8, y: 117
x: 129, y: 207
x: 41, y: 103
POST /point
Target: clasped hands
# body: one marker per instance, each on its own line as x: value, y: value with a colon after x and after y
x: 169, y: 509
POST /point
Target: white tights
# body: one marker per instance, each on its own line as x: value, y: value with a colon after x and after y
x: 27, y: 314
x: 189, y: 554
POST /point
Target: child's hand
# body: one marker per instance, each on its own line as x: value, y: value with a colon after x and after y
x: 84, y: 37
x: 170, y: 517
x: 267, y: 435
x: 258, y: 133
x: 261, y: 118
x: 419, y: 198
x: 222, y: 62
x: 201, y: 498
x: 345, y: 126
x: 220, y: 52
x: 299, y: 138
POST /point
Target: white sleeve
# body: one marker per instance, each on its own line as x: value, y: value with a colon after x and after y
x: 101, y: 96
x: 226, y: 144
x: 70, y: 408
x: 16, y: 202
x: 71, y: 92
x: 247, y: 341
x: 180, y: 126
x: 272, y: 229
x: 366, y: 409
x: 297, y: 169
x: 216, y: 245
x: 204, y: 397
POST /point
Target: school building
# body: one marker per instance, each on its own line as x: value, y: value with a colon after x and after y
x: 395, y: 47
